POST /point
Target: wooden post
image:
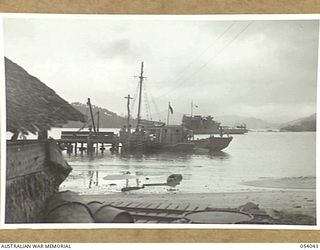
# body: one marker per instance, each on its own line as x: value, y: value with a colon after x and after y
x: 102, y: 148
x: 91, y: 114
x: 81, y: 148
x: 69, y: 148
x: 89, y: 146
x: 43, y: 135
x: 128, y: 110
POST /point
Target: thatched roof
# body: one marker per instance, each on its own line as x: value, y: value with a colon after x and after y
x: 31, y: 105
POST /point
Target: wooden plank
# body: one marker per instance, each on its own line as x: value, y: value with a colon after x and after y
x: 165, y: 205
x: 183, y: 206
x: 135, y: 204
x: 173, y: 206
x: 192, y: 207
x: 113, y: 203
x: 144, y: 205
x: 202, y: 207
x: 118, y: 203
x: 126, y: 204
x: 109, y: 203
x: 154, y: 205
x: 26, y: 159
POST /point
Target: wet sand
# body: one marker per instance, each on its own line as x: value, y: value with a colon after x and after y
x: 287, y: 183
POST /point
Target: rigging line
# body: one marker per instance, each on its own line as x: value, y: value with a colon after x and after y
x: 180, y: 75
x: 146, y: 103
x: 205, y: 64
x: 147, y: 100
x: 155, y: 106
x: 134, y: 98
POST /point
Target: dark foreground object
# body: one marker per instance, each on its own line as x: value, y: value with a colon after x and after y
x: 68, y: 207
x: 35, y: 170
x: 172, y: 212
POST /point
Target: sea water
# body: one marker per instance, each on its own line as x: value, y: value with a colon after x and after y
x: 250, y: 157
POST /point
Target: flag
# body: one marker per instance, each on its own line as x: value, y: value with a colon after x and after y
x: 171, y: 109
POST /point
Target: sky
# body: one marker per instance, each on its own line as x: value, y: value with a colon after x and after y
x: 262, y: 69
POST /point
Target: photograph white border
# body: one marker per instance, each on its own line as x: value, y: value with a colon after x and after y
x: 244, y: 17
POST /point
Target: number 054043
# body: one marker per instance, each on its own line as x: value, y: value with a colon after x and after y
x: 310, y: 245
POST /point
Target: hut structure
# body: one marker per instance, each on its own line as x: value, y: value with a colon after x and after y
x: 35, y: 168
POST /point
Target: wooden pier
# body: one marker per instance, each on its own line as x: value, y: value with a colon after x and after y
x: 81, y: 141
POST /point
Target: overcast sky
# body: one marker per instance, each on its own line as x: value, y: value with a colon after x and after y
x: 263, y: 69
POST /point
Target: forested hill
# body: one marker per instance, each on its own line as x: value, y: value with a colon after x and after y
x: 303, y: 124
x: 108, y: 119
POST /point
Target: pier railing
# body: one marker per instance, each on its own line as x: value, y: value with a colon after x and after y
x: 74, y: 141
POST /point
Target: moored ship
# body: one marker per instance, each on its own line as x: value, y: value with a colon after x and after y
x: 240, y: 130
x: 201, y: 124
x: 172, y: 138
x: 153, y: 137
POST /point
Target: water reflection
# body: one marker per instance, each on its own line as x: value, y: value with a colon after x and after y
x: 165, y: 156
x: 219, y: 155
x: 93, y: 178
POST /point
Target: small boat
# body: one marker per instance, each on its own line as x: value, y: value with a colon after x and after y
x: 213, y: 144
x: 239, y: 129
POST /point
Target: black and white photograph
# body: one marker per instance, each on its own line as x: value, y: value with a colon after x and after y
x: 160, y: 120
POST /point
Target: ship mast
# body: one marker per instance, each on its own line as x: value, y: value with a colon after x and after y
x: 91, y: 114
x: 141, y: 77
x: 98, y: 120
x: 128, y: 110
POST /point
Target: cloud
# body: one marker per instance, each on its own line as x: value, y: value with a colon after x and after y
x: 267, y: 70
x: 119, y: 49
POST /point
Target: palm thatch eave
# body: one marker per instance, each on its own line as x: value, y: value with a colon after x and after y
x: 31, y: 105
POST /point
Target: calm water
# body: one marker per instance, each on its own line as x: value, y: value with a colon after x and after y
x: 254, y: 156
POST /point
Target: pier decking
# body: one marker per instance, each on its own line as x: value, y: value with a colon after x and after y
x: 74, y: 141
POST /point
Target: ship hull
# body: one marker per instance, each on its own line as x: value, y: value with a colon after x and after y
x: 234, y: 131
x: 213, y: 144
x: 179, y: 147
x: 205, y: 131
x: 155, y: 148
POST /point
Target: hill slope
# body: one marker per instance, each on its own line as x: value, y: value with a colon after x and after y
x: 108, y: 119
x: 303, y: 124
